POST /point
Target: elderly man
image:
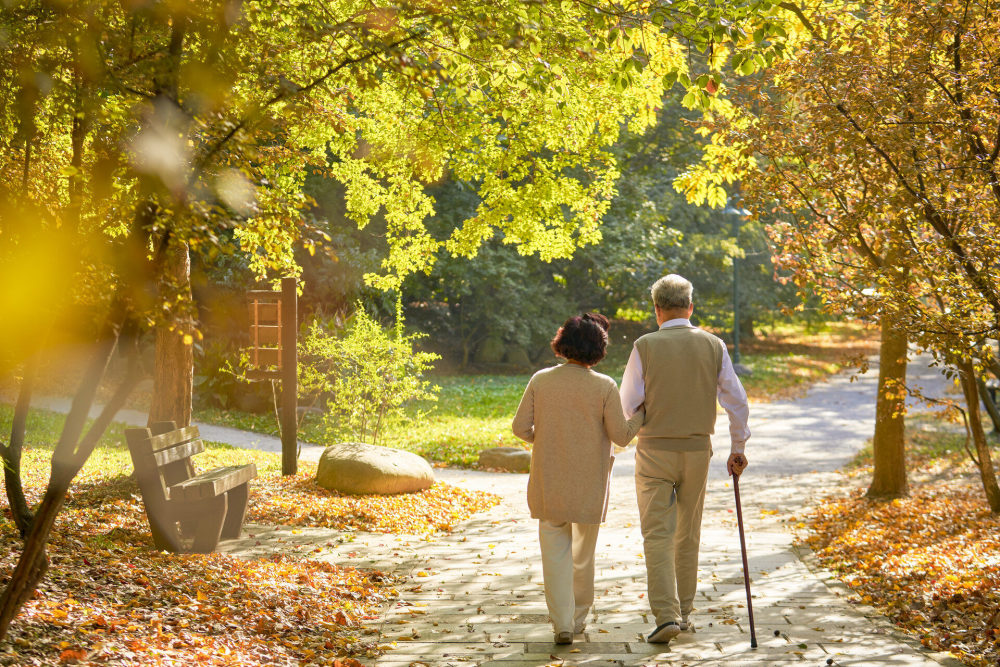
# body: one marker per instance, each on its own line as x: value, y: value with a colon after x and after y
x: 678, y: 372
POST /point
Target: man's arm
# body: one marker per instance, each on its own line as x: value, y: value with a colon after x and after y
x: 733, y: 399
x: 633, y: 391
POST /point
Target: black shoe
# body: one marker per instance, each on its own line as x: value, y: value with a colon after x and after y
x: 664, y: 633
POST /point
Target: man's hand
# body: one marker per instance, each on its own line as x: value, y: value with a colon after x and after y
x: 736, y: 464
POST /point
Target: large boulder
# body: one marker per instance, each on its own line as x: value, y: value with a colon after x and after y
x: 506, y: 458
x: 359, y: 468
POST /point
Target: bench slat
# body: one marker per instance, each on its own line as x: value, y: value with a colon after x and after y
x: 181, y: 435
x: 213, y: 483
x: 182, y: 451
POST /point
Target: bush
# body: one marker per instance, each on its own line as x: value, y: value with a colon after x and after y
x: 221, y: 381
x: 364, y: 376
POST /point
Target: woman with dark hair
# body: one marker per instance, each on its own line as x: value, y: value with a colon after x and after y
x: 572, y: 414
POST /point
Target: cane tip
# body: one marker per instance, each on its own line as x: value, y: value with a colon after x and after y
x: 753, y: 644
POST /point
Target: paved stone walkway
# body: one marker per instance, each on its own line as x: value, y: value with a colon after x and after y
x: 474, y: 597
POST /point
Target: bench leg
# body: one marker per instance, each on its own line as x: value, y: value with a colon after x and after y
x: 163, y: 527
x: 165, y: 534
x: 209, y: 525
x: 236, y: 512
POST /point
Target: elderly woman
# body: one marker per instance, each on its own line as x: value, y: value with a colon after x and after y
x: 572, y: 414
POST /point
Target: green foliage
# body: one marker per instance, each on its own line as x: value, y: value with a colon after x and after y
x: 473, y: 412
x: 648, y: 231
x: 364, y: 377
x: 221, y: 379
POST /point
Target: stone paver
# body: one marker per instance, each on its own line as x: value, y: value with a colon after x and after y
x: 474, y: 597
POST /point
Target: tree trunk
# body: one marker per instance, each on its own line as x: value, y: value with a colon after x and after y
x: 991, y: 408
x: 12, y: 452
x: 173, y: 375
x: 889, y: 451
x: 985, y: 463
x: 70, y: 454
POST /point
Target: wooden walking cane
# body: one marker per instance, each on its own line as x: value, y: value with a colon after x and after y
x: 743, y: 548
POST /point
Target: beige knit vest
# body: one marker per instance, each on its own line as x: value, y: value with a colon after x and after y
x: 680, y: 367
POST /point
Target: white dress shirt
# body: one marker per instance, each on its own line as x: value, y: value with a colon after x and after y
x: 732, y: 396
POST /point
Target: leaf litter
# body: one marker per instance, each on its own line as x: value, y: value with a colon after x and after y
x: 110, y: 597
x: 930, y: 562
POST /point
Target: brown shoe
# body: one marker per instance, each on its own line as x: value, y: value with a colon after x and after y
x: 564, y: 637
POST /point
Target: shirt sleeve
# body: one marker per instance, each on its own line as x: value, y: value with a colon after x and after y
x: 733, y: 399
x: 524, y: 419
x: 633, y: 393
x: 620, y: 430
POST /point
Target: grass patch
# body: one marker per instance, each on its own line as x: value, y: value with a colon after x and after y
x: 790, y: 359
x: 473, y: 412
x: 930, y: 562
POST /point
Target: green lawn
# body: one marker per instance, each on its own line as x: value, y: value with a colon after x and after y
x: 474, y: 412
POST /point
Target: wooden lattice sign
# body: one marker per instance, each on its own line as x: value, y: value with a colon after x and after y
x: 265, y: 333
x: 274, y: 324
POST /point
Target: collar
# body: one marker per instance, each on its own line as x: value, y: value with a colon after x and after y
x: 676, y: 322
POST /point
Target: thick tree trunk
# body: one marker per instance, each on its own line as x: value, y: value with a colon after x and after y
x: 889, y: 476
x: 985, y: 462
x: 11, y: 454
x: 173, y: 375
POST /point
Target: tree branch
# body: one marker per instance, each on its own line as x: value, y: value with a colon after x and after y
x: 795, y: 9
x: 286, y: 92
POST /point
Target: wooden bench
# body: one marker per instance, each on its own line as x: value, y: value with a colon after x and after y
x: 187, y: 512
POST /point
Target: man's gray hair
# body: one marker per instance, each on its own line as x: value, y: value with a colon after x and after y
x: 672, y: 291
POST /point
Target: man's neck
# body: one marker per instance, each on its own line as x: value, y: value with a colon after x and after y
x: 672, y: 314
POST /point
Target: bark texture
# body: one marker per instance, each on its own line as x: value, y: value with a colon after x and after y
x: 70, y: 454
x: 984, y: 461
x: 11, y: 453
x: 173, y: 373
x: 889, y: 450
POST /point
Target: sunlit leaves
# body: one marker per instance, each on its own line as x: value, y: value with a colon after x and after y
x: 877, y: 152
x: 298, y: 501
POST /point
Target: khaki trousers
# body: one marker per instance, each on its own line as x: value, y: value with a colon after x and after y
x: 568, y: 571
x: 670, y: 488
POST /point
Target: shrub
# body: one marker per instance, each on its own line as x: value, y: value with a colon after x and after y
x: 364, y: 376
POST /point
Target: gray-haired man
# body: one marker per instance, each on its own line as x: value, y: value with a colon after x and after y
x: 678, y: 372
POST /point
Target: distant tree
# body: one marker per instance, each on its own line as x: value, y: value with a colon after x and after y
x: 649, y: 230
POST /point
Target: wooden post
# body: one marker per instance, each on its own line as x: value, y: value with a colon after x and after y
x: 289, y: 380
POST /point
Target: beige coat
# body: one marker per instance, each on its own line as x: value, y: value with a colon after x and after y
x: 571, y: 414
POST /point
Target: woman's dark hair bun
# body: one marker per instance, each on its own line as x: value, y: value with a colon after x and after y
x: 582, y: 338
x: 597, y: 319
